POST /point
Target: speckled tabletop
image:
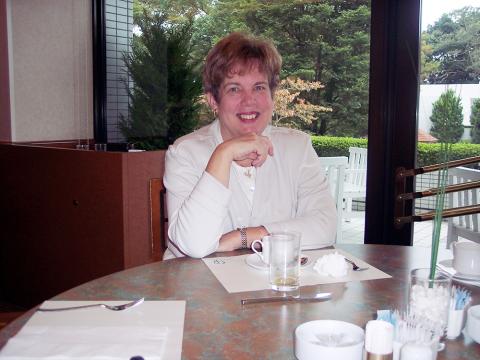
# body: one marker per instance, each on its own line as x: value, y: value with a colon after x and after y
x: 217, y: 326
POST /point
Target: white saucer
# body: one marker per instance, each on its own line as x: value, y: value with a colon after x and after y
x: 449, y: 264
x: 254, y: 261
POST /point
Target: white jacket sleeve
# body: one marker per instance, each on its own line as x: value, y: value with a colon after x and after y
x: 316, y: 215
x: 197, y: 206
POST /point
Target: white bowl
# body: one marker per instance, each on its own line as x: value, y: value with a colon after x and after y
x: 473, y: 323
x: 311, y: 340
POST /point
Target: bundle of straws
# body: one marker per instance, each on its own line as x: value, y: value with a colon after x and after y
x: 410, y: 327
x: 461, y: 297
x: 442, y: 180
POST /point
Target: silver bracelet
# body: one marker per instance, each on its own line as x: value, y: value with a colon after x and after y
x: 243, y: 237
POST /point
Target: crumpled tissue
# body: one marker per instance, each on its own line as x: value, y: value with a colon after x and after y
x: 333, y: 265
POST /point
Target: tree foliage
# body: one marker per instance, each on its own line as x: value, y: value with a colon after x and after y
x: 290, y: 109
x: 163, y: 97
x: 455, y: 48
x: 447, y: 118
x: 325, y: 42
x: 475, y: 121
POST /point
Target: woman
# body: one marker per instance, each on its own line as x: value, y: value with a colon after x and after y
x: 239, y: 178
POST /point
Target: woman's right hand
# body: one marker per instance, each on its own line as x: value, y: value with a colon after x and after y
x: 250, y: 149
x: 246, y: 150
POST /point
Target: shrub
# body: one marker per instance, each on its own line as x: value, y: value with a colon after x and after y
x: 475, y: 121
x: 447, y: 118
x: 335, y: 146
x: 163, y: 99
x: 427, y: 154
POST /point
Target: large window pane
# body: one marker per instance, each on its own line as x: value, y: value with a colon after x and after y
x: 449, y: 88
x: 325, y: 78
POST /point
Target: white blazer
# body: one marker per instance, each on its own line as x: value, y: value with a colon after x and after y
x: 291, y: 193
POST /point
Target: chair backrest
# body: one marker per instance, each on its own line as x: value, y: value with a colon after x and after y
x: 357, y: 167
x: 335, y: 171
x: 465, y: 197
x: 158, y: 218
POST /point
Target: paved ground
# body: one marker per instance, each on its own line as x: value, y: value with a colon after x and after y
x: 422, y: 235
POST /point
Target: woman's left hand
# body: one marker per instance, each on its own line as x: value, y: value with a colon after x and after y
x: 229, y: 241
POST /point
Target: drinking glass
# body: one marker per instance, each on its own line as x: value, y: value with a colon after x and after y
x: 430, y: 298
x: 100, y: 147
x: 284, y: 267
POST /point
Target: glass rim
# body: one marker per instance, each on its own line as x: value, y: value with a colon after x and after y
x: 284, y: 235
x: 424, y: 274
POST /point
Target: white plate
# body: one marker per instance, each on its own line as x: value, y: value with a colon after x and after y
x: 449, y: 263
x: 254, y: 261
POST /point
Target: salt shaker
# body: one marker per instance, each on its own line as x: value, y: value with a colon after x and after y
x: 379, y: 340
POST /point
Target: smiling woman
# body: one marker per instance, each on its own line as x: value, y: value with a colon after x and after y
x: 239, y: 178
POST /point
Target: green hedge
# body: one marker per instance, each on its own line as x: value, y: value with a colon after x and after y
x: 335, y: 146
x: 427, y: 153
x: 430, y: 153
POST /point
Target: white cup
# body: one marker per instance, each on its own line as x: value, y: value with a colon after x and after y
x: 264, y: 255
x: 466, y: 257
x: 473, y: 323
x: 284, y: 256
x: 329, y: 339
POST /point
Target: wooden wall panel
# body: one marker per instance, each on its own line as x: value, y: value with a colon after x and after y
x: 139, y: 168
x: 70, y: 216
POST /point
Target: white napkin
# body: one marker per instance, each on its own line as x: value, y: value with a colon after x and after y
x: 86, y: 342
x: 333, y: 265
x: 153, y: 330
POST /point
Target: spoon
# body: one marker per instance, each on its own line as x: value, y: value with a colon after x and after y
x: 355, y: 267
x: 303, y: 260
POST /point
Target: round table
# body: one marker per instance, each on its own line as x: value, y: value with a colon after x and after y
x: 217, y: 326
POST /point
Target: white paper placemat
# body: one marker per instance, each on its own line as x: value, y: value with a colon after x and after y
x: 153, y: 330
x: 236, y: 276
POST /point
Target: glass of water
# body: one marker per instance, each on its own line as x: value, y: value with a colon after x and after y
x: 284, y: 267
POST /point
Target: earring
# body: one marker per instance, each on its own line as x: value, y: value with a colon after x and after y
x: 215, y: 112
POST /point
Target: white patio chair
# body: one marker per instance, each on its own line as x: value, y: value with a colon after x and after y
x: 465, y: 226
x: 356, y: 180
x: 335, y: 167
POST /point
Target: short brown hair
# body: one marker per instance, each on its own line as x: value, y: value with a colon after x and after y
x: 238, y: 48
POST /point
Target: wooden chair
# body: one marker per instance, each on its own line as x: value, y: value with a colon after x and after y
x: 356, y: 180
x: 465, y: 226
x: 335, y: 167
x: 158, y: 218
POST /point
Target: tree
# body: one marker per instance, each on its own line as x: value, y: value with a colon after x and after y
x: 454, y: 41
x: 475, y: 121
x: 427, y: 64
x: 325, y: 41
x: 290, y: 109
x: 164, y: 93
x: 447, y: 118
